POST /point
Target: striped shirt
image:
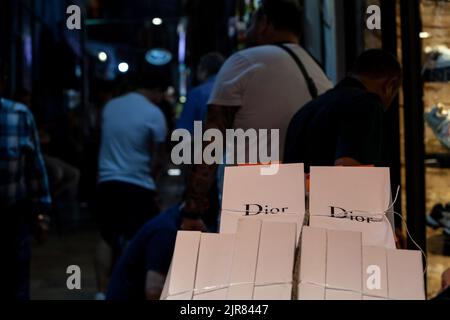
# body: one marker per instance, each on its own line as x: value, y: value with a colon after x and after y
x: 23, y: 177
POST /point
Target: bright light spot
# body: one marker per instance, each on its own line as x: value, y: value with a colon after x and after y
x: 183, y: 99
x: 124, y: 67
x: 174, y: 172
x: 425, y: 35
x: 157, y: 21
x: 171, y: 91
x: 102, y: 56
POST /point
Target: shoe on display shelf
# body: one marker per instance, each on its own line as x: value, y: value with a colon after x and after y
x: 439, y: 217
x: 437, y: 65
x: 439, y: 121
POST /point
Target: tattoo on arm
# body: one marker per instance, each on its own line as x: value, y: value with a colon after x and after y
x: 203, y: 176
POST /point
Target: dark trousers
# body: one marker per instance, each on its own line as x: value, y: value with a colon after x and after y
x: 17, y: 229
x: 122, y: 209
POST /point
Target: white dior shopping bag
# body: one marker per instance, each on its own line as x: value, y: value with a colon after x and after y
x: 353, y: 199
x: 245, y: 260
x: 336, y: 266
x: 255, y: 263
x: 214, y: 266
x: 180, y: 280
x: 249, y: 194
x: 200, y: 268
x: 275, y: 266
x: 263, y: 261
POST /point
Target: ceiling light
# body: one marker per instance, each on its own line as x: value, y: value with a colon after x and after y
x: 102, y: 56
x: 157, y: 21
x: 123, y: 67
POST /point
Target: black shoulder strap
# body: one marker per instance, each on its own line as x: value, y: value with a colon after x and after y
x: 309, y: 81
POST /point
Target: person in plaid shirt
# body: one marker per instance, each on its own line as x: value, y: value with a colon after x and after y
x: 24, y: 192
x: 23, y: 175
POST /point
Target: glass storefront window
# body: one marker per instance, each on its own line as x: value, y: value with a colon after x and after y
x: 436, y: 74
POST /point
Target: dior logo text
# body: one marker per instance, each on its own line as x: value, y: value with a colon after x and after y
x: 256, y: 209
x: 341, y: 213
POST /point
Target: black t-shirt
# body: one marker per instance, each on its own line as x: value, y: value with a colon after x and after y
x: 344, y: 122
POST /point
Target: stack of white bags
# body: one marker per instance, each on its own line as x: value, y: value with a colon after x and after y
x: 271, y: 248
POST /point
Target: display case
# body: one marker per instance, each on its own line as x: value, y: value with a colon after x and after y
x: 436, y: 76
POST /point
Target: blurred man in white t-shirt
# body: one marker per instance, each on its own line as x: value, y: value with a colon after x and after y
x: 131, y: 156
x: 258, y: 88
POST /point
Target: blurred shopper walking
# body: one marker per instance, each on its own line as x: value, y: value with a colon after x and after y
x: 24, y: 193
x: 344, y: 126
x: 196, y: 106
x: 63, y: 178
x: 131, y: 156
x: 260, y: 88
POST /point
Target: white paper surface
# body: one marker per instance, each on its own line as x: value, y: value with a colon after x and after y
x: 213, y: 267
x: 375, y: 280
x: 405, y: 275
x: 354, y: 272
x: 278, y: 198
x: 180, y: 281
x: 361, y: 192
x: 245, y: 257
x: 274, y: 271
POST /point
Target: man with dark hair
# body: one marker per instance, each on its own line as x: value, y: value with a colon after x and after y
x: 258, y: 88
x: 209, y: 66
x: 284, y: 15
x: 131, y: 155
x: 24, y: 192
x: 343, y: 127
x: 196, y: 106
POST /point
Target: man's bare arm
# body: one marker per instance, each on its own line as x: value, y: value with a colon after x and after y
x: 203, y: 176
